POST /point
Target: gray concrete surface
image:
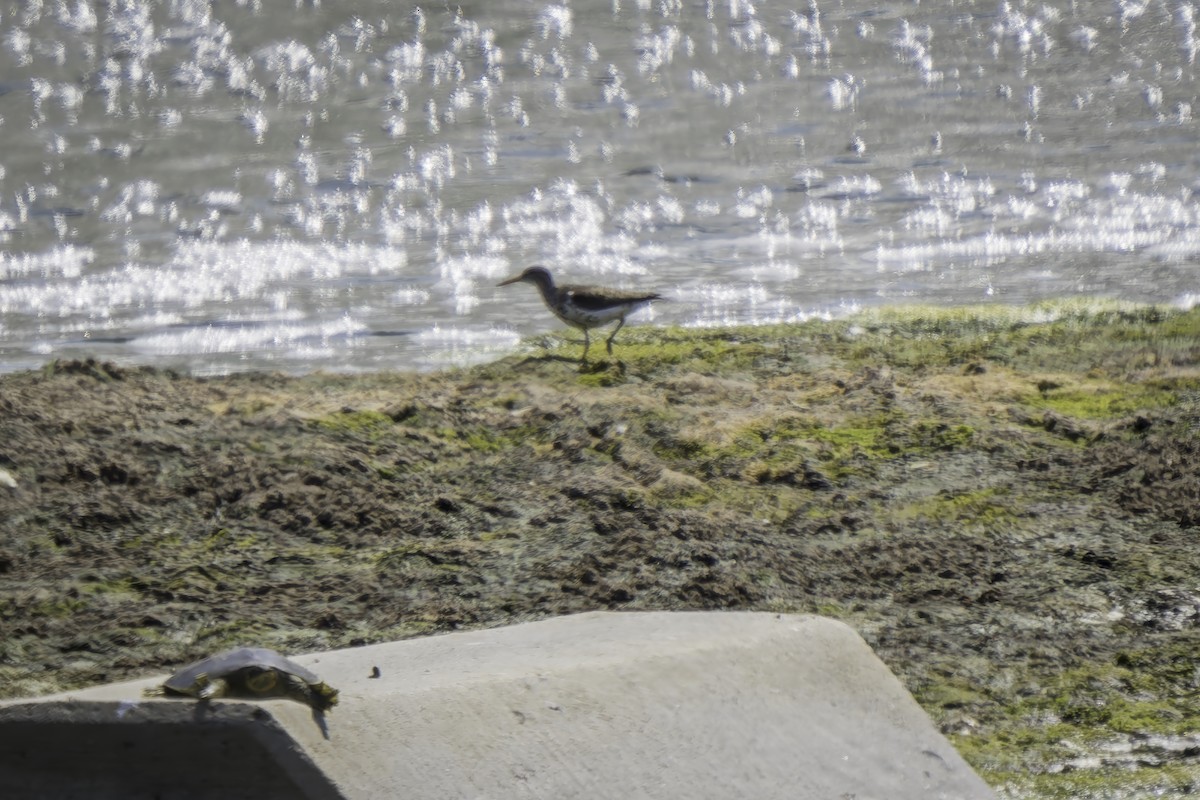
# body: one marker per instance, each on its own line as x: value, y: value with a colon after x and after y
x: 599, y: 705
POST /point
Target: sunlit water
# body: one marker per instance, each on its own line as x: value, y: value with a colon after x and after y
x: 300, y: 185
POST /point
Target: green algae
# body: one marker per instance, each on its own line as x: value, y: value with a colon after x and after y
x: 60, y: 607
x: 366, y: 422
x: 112, y: 588
x: 1077, y: 714
x: 983, y: 507
x: 1100, y: 400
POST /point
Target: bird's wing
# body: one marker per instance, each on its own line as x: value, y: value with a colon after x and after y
x: 591, y: 298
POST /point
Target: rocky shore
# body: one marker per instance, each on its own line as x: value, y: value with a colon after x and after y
x: 1003, y: 502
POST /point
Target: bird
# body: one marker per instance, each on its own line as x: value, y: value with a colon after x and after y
x: 584, y: 307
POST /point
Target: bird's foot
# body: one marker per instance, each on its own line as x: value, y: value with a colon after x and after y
x: 592, y: 367
x: 614, y: 368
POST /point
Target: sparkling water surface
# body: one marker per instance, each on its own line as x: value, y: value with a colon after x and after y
x: 300, y: 185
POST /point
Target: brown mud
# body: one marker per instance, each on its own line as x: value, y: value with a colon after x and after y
x: 1007, y: 510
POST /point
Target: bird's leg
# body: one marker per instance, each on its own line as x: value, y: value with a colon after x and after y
x: 613, y: 335
x: 587, y: 342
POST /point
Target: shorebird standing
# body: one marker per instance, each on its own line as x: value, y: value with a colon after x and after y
x: 584, y: 307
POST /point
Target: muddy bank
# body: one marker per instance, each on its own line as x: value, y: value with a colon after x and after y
x: 1006, y: 509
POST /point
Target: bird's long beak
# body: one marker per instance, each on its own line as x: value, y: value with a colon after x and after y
x: 513, y: 279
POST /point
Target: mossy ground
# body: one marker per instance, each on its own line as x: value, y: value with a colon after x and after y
x: 1001, y: 500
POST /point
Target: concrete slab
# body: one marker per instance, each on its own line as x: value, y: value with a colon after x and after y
x: 600, y: 705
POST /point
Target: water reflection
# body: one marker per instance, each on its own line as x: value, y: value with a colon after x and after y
x: 306, y: 185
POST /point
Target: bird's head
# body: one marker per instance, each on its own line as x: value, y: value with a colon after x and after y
x: 538, y: 276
